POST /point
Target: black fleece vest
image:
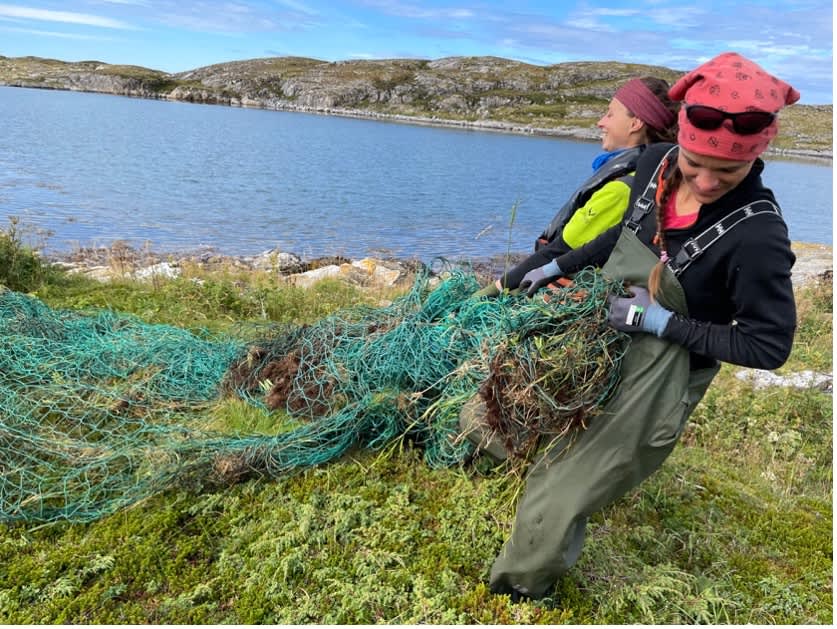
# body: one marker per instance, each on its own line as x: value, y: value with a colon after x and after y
x: 616, y: 167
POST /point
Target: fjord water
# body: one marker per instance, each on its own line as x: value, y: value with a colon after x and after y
x: 84, y: 170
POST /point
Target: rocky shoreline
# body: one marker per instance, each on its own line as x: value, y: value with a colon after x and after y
x: 480, y: 93
x: 814, y: 262
x: 586, y: 134
x: 591, y: 134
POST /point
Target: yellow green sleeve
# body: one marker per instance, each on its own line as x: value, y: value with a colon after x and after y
x: 603, y: 210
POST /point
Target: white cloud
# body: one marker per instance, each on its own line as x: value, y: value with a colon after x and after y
x: 233, y: 18
x: 587, y: 23
x: 616, y: 12
x: 235, y: 8
x: 136, y: 3
x: 683, y: 17
x: 596, y: 19
x: 297, y: 6
x: 39, y: 33
x: 405, y: 9
x: 66, y: 17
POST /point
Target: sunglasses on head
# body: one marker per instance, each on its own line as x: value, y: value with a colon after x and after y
x: 743, y: 123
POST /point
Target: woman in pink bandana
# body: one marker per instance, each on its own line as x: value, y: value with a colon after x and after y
x: 640, y: 113
x: 706, y: 259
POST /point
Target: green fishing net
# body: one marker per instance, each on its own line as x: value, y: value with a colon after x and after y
x: 101, y: 410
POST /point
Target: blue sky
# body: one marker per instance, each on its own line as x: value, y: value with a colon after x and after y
x: 792, y: 39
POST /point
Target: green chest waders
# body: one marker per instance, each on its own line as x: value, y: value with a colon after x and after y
x: 628, y: 440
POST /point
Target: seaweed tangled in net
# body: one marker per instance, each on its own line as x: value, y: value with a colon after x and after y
x: 99, y: 411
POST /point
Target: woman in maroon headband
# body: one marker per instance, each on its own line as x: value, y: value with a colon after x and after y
x: 640, y: 113
x: 706, y: 259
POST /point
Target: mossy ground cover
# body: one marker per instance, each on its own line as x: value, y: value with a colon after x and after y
x: 735, y: 528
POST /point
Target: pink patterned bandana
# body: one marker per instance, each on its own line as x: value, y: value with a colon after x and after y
x: 733, y: 84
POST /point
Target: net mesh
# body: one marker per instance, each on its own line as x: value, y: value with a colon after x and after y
x: 99, y: 411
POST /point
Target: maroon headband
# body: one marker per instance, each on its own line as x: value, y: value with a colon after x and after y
x: 643, y: 103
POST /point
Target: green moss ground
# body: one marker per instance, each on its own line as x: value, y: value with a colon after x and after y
x: 735, y: 528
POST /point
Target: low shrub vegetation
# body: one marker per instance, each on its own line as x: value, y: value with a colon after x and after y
x: 21, y: 268
x: 735, y: 528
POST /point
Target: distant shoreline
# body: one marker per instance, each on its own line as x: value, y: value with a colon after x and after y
x: 498, y: 126
x: 585, y: 134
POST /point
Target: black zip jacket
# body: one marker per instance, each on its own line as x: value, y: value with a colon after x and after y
x: 739, y: 292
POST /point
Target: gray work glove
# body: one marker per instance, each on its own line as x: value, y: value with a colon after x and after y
x: 539, y: 277
x: 638, y: 313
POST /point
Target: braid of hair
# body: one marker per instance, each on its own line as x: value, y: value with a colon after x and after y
x: 665, y: 188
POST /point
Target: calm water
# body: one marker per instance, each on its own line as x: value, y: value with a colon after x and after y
x: 87, y: 169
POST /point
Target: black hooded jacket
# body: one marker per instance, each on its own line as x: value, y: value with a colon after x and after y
x: 739, y: 292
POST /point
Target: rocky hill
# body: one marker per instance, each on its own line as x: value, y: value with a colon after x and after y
x: 487, y: 92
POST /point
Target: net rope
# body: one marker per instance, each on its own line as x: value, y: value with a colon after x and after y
x: 101, y: 410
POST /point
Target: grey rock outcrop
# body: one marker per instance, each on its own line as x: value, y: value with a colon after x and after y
x: 565, y: 99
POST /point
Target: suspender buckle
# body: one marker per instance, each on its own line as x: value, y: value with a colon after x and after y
x: 684, y: 258
x: 692, y: 248
x: 642, y: 206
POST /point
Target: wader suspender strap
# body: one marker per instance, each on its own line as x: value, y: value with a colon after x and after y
x: 646, y: 201
x: 693, y: 248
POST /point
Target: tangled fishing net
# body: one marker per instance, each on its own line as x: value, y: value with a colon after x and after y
x: 99, y: 411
